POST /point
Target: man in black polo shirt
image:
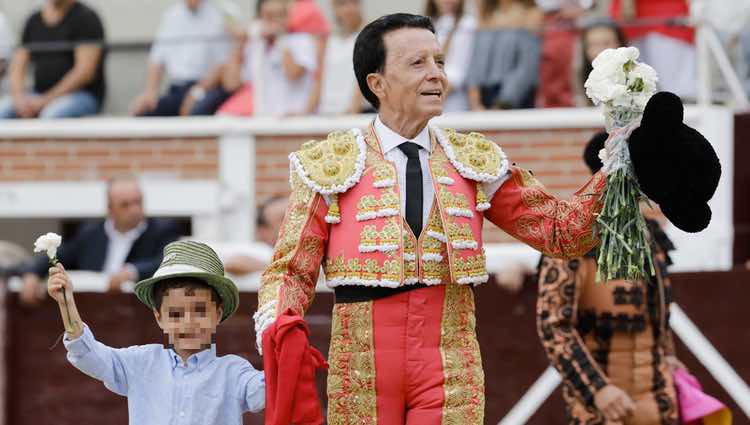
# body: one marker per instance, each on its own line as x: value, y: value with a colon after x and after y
x: 63, y: 43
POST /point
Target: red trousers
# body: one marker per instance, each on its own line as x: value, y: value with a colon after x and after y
x: 411, y: 358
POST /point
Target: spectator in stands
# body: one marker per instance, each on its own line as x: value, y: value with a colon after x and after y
x: 270, y: 217
x: 305, y: 16
x: 6, y: 45
x: 274, y: 68
x: 668, y: 47
x: 126, y: 246
x: 192, y: 43
x: 339, y: 91
x: 598, y: 34
x: 505, y: 62
x: 556, y: 81
x: 63, y: 44
x: 216, y: 89
x: 455, y: 32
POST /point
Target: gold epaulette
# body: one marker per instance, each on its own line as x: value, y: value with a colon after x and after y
x: 475, y: 158
x: 331, y: 166
x: 473, y: 155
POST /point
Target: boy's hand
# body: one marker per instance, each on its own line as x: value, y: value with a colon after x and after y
x: 58, y: 282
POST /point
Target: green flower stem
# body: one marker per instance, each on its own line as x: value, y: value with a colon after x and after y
x: 624, y: 252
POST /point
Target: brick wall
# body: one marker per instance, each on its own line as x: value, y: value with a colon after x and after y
x: 71, y: 159
x: 553, y: 155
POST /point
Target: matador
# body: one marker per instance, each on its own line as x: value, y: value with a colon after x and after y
x: 394, y: 214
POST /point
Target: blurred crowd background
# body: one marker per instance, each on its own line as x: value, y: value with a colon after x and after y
x: 64, y: 58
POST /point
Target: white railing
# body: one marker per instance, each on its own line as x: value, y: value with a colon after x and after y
x: 225, y: 211
x: 708, y: 47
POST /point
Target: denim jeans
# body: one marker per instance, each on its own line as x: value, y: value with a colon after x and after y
x: 169, y: 104
x: 71, y: 105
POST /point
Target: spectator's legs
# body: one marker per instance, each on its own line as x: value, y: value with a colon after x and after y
x: 7, y: 110
x: 169, y: 104
x: 211, y: 103
x: 72, y: 105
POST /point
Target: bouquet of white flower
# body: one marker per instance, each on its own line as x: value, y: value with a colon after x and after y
x: 623, y: 86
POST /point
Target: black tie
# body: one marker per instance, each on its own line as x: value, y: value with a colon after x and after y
x: 413, y: 186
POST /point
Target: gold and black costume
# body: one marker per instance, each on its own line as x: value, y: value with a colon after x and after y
x: 609, y: 333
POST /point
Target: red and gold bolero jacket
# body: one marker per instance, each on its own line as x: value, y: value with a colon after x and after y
x: 344, y: 213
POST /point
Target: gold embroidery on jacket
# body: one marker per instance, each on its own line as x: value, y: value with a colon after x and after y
x: 470, y: 268
x: 370, y: 207
x: 290, y: 253
x: 330, y: 162
x: 473, y: 150
x: 572, y: 234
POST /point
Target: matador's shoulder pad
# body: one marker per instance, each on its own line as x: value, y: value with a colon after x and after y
x: 332, y: 165
x: 473, y: 155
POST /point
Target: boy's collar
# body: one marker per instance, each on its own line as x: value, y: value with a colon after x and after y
x: 199, y: 359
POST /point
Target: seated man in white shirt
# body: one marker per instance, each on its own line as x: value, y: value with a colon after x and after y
x: 126, y: 246
x: 192, y: 43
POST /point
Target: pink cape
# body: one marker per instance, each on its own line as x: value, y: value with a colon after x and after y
x: 696, y: 407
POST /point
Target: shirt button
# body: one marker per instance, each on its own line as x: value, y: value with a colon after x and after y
x: 182, y: 414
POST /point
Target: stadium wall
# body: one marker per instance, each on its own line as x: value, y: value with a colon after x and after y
x: 246, y: 160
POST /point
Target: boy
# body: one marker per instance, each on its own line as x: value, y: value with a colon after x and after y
x: 183, y: 381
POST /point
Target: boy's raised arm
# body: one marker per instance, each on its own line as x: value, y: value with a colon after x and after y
x: 84, y: 352
x: 60, y: 288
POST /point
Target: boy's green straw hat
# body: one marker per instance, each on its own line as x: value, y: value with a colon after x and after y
x: 196, y: 260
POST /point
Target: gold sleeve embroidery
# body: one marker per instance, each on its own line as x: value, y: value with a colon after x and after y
x: 558, y: 228
x: 292, y: 275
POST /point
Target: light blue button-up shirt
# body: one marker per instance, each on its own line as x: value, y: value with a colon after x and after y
x: 163, y: 390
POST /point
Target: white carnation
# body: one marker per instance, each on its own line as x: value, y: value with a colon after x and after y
x: 49, y: 242
x: 646, y: 74
x: 604, y: 92
x: 610, y: 58
x: 619, y: 81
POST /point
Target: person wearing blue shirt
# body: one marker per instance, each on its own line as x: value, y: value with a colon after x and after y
x: 182, y: 381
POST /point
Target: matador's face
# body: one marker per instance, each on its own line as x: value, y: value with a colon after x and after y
x: 413, y: 82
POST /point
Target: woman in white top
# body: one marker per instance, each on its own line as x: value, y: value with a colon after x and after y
x: 339, y: 92
x: 455, y: 32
